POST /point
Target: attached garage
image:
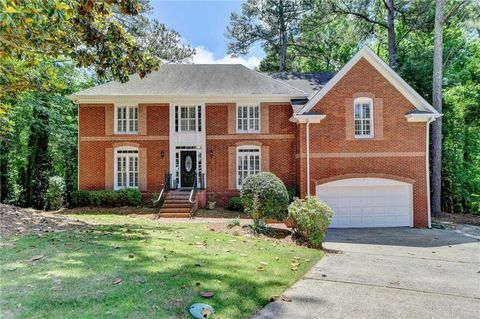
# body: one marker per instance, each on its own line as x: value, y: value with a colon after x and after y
x: 368, y: 202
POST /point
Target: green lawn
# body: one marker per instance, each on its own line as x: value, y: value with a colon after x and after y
x: 74, y: 277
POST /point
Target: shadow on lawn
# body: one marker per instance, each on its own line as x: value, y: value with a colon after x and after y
x: 76, y: 273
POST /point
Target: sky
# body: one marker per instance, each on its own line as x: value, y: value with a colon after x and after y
x: 203, y: 25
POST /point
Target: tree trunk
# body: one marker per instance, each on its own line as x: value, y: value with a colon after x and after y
x: 283, y: 38
x: 436, y: 180
x: 392, y: 41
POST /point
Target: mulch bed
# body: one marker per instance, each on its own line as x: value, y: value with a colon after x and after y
x: 18, y: 221
x: 469, y: 219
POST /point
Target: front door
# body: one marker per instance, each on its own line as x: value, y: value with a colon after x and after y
x: 188, y: 165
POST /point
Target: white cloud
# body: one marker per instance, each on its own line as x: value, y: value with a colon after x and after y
x: 203, y: 56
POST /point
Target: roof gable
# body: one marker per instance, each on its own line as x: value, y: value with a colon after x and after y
x: 388, y: 73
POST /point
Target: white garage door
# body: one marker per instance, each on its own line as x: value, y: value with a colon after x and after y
x: 368, y: 202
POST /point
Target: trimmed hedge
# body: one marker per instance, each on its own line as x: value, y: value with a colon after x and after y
x: 235, y: 203
x: 107, y: 198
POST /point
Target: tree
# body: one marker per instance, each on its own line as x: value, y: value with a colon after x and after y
x: 384, y: 14
x: 437, y: 104
x: 35, y: 177
x: 82, y: 31
x: 274, y: 23
x: 440, y: 20
x: 154, y: 37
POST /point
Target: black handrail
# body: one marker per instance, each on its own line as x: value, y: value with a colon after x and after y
x: 165, y: 189
x: 194, y: 189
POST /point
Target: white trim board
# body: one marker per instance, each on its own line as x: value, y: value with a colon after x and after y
x: 400, y: 84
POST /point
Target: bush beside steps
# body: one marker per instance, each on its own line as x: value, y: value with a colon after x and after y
x: 107, y: 198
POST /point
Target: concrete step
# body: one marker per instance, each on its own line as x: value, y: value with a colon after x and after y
x: 176, y: 204
x: 174, y: 215
x: 175, y: 210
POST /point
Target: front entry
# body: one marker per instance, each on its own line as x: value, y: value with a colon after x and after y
x: 188, y: 165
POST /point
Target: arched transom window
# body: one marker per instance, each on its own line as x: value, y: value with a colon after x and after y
x: 363, y: 117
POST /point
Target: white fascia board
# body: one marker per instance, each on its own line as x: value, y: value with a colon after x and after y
x: 307, y: 118
x: 167, y: 99
x: 400, y: 84
x: 422, y: 117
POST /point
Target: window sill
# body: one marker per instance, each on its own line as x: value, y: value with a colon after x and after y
x: 126, y: 133
x: 364, y: 137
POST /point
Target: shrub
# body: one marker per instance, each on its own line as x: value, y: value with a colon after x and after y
x: 234, y: 222
x: 235, y: 203
x: 292, y: 194
x: 54, y: 195
x: 264, y: 196
x: 311, y: 218
x: 107, y: 198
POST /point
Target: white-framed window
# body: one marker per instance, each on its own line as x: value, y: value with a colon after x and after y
x: 248, y: 118
x: 248, y: 162
x: 363, y: 117
x: 188, y: 118
x: 126, y: 119
x: 126, y: 167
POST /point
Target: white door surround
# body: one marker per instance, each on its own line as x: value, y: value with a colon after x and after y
x: 368, y: 202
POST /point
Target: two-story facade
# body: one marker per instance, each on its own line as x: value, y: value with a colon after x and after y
x: 357, y: 139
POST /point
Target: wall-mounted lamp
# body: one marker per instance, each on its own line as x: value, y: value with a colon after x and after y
x: 211, y: 153
x: 162, y: 154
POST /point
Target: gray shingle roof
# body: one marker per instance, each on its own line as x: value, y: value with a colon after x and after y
x: 307, y: 82
x: 196, y: 79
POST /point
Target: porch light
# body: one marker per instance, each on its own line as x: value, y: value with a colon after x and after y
x: 162, y: 154
x: 211, y: 153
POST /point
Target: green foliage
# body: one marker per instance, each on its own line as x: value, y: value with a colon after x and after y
x: 311, y: 218
x: 107, y: 198
x: 292, y: 193
x: 264, y: 196
x: 55, y: 192
x: 235, y: 203
x: 233, y: 222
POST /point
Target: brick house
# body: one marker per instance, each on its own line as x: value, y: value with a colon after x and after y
x: 357, y: 139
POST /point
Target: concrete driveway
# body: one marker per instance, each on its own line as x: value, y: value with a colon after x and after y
x: 388, y: 273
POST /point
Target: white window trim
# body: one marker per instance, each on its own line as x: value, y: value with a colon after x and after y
x: 248, y: 118
x: 195, y: 106
x: 115, y: 161
x: 236, y: 160
x: 127, y: 132
x: 361, y: 100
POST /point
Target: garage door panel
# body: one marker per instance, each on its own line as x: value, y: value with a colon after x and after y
x: 368, y: 202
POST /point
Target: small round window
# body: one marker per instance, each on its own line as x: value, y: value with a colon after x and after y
x: 188, y: 163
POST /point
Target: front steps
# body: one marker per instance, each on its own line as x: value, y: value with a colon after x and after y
x: 176, y: 205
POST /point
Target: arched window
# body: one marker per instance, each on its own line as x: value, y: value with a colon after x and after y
x: 248, y: 162
x: 126, y: 167
x: 363, y: 117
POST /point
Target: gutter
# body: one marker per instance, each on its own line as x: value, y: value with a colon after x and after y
x: 427, y: 168
x: 307, y: 119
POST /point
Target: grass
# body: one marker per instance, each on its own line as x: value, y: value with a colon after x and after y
x: 74, y: 277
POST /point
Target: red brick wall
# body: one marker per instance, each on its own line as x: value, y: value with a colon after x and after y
x: 280, y: 140
x: 399, y: 154
x: 94, y: 142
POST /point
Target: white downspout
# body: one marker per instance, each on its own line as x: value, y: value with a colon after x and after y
x: 427, y: 166
x: 308, y: 157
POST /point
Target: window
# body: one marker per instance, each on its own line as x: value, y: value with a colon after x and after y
x: 363, y: 118
x: 126, y: 168
x: 248, y: 118
x: 126, y: 119
x: 248, y: 163
x: 188, y: 119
